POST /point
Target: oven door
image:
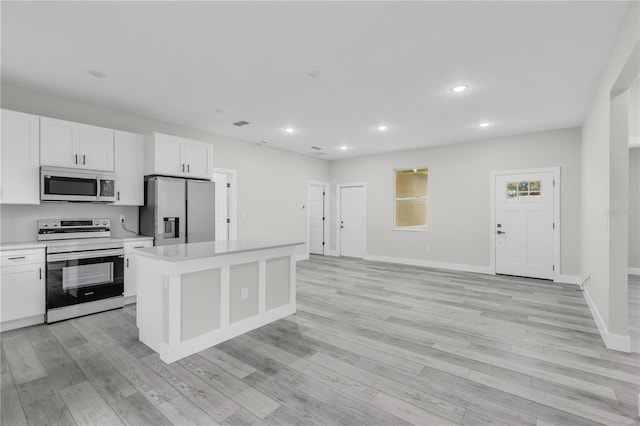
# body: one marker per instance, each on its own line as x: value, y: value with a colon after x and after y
x: 80, y: 277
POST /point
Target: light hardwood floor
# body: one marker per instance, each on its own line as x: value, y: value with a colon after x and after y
x: 371, y: 344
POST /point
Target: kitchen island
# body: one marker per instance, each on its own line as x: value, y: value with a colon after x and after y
x: 194, y: 296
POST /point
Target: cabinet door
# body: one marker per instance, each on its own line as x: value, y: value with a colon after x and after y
x: 131, y: 266
x: 23, y: 292
x: 96, y: 148
x: 197, y: 159
x: 59, y: 143
x: 129, y: 163
x: 167, y: 152
x: 20, y: 158
x: 130, y: 275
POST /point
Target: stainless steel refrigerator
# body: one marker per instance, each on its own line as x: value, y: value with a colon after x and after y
x: 178, y: 210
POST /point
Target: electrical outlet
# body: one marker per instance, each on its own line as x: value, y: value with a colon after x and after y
x: 122, y: 218
x: 244, y: 294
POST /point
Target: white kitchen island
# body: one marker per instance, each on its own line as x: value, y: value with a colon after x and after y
x: 194, y: 296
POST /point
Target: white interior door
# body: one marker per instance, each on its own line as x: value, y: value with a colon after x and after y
x: 524, y: 225
x: 316, y: 219
x: 352, y: 221
x: 222, y: 206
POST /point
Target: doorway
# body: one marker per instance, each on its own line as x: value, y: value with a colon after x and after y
x: 351, y: 220
x: 225, y: 210
x: 525, y: 223
x: 318, y: 217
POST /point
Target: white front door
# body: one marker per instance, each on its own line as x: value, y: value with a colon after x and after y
x: 222, y: 206
x: 316, y: 219
x: 524, y: 225
x: 352, y: 221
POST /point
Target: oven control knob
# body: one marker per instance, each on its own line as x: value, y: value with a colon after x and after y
x: 104, y: 222
x: 54, y: 224
x: 96, y: 222
x: 45, y: 224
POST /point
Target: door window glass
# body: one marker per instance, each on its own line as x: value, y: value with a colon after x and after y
x: 523, y: 192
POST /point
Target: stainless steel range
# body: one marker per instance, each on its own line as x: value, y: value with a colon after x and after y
x: 85, y: 268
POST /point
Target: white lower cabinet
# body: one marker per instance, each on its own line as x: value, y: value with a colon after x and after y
x: 22, y: 288
x: 131, y: 268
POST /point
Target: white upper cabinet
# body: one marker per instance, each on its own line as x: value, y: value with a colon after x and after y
x: 19, y: 158
x: 195, y: 156
x: 97, y: 148
x: 129, y: 163
x: 175, y: 156
x: 75, y: 145
x: 166, y: 158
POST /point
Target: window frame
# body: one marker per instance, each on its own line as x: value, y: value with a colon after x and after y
x: 421, y: 228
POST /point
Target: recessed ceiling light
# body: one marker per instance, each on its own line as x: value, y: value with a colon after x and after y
x: 97, y: 74
x: 382, y: 127
x: 344, y: 147
x: 459, y: 88
x: 289, y: 130
x: 485, y: 124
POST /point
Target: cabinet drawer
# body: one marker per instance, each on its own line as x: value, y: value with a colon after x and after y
x: 129, y: 246
x: 21, y: 257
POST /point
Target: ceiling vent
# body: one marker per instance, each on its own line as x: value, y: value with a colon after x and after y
x: 317, y: 148
x: 240, y: 123
x: 318, y: 153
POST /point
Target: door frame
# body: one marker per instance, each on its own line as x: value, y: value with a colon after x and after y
x: 338, y: 196
x: 233, y: 199
x: 556, y: 215
x: 327, y: 188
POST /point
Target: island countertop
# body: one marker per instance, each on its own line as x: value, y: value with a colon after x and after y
x: 191, y: 251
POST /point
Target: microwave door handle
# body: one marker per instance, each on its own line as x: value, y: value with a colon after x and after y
x: 84, y: 159
x: 76, y: 158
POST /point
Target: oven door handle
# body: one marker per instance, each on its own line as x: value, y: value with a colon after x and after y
x: 84, y: 255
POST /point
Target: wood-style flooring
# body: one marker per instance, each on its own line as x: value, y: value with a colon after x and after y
x: 371, y: 344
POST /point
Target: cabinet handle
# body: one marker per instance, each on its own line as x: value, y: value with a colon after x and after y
x: 189, y: 168
x: 40, y: 269
x: 183, y: 167
x: 76, y: 158
x: 118, y: 197
x: 138, y: 247
x: 84, y: 158
x: 16, y: 258
x: 127, y: 263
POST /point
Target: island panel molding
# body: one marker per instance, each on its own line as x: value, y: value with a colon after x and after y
x: 188, y: 293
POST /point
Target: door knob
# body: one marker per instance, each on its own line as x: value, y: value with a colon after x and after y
x: 500, y: 232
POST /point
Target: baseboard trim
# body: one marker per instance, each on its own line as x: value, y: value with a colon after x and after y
x: 616, y: 342
x: 333, y: 253
x: 432, y: 264
x: 300, y: 257
x: 22, y: 322
x: 634, y: 271
x: 568, y: 279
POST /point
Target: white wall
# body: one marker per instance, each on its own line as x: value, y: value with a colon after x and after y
x: 458, y: 200
x: 600, y: 185
x: 272, y: 184
x: 634, y: 208
x: 634, y: 176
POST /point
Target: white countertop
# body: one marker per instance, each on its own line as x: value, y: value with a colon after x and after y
x: 133, y: 238
x: 22, y: 245
x: 191, y: 251
x: 27, y: 245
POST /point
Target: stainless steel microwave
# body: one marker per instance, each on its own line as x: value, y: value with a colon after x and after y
x: 63, y: 184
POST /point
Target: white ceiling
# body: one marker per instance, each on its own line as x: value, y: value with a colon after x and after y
x: 530, y: 66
